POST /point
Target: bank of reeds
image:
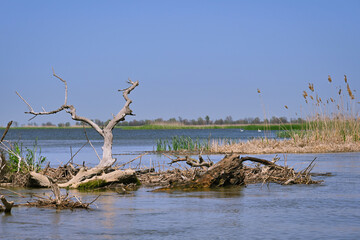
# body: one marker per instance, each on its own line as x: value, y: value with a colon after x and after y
x: 333, y: 125
x: 180, y: 143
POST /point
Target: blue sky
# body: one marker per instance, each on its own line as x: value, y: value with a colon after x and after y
x: 192, y: 58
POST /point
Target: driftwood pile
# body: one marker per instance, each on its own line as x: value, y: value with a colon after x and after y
x: 58, y: 200
x: 269, y: 172
x: 230, y: 171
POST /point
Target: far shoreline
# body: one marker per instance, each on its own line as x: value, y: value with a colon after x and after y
x: 260, y: 127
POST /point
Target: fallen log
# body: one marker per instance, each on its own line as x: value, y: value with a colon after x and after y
x: 100, y: 176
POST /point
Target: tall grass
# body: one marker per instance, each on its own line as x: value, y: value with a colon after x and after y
x: 24, y: 160
x: 332, y: 125
x: 179, y: 143
x: 333, y: 119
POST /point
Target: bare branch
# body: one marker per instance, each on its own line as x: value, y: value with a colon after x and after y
x: 91, y: 143
x: 68, y: 108
x: 65, y: 83
x: 6, y: 130
x: 124, y: 164
x: 126, y: 109
x: 30, y: 108
x: 107, y: 159
x: 193, y: 162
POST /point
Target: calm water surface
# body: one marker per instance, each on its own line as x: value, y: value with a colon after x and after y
x: 56, y: 143
x: 327, y: 211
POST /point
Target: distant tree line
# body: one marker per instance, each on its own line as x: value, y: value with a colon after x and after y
x: 182, y: 121
x: 207, y: 121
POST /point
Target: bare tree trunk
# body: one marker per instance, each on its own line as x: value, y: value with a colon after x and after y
x: 107, y: 159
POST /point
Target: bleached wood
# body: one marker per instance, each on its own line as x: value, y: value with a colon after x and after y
x: 107, y: 159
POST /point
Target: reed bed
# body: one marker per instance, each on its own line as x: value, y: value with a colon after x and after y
x: 333, y: 125
x: 179, y: 143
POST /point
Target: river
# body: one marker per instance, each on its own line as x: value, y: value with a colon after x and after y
x: 326, y: 211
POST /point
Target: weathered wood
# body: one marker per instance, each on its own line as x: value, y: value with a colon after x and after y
x: 193, y: 162
x: 227, y: 172
x: 8, y: 205
x: 2, y: 156
x: 6, y: 130
x: 37, y: 180
x: 85, y: 176
x: 56, y: 191
x: 258, y: 160
x: 107, y: 159
x: 230, y: 171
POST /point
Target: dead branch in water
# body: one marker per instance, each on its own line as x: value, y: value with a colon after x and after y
x: 7, y: 205
x: 6, y: 130
x: 2, y: 156
x: 59, y: 201
x: 272, y: 172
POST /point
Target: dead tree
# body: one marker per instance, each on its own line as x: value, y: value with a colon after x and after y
x: 107, y: 159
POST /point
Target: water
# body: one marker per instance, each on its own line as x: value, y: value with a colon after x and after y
x: 56, y: 143
x: 326, y: 211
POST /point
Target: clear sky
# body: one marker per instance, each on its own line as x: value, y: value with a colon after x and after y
x: 192, y: 58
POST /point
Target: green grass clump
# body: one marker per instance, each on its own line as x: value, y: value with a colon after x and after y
x: 178, y: 143
x: 21, y: 160
x: 91, y: 185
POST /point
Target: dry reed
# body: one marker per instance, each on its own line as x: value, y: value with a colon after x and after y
x: 332, y: 125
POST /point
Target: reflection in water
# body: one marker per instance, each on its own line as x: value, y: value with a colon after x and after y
x: 109, y: 213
